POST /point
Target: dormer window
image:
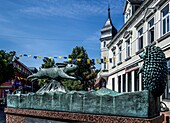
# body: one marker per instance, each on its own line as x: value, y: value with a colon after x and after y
x: 130, y: 8
x: 128, y: 14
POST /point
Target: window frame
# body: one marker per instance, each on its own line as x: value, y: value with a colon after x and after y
x: 128, y: 45
x: 120, y: 53
x: 104, y: 63
x: 165, y: 17
x: 104, y: 44
x: 140, y: 36
x: 113, y: 84
x: 150, y: 29
x: 114, y: 58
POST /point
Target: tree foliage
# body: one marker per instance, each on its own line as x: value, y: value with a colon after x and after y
x: 83, y: 67
x: 7, y: 70
x: 48, y: 62
x: 84, y: 71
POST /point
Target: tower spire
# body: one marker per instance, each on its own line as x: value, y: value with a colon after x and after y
x: 108, y: 11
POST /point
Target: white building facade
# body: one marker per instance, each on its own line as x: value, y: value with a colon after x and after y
x: 147, y: 22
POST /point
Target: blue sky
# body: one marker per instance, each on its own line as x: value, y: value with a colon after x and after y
x: 51, y: 28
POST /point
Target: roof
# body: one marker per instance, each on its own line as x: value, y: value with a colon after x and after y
x: 18, y: 62
x: 136, y: 2
x: 108, y: 25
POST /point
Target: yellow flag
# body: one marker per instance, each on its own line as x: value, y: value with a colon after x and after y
x: 60, y: 57
x: 69, y: 59
x: 105, y: 60
x: 79, y: 59
x: 39, y: 56
x: 50, y: 57
x: 88, y: 61
x: 98, y: 61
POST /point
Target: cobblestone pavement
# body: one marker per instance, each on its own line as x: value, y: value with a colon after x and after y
x: 2, y: 116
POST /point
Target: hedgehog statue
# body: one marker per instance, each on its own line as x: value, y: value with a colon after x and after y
x: 154, y: 70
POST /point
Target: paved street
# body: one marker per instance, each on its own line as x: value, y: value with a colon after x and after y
x: 2, y: 116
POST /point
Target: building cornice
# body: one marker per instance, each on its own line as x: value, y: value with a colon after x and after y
x: 106, y: 38
x: 119, y: 42
x: 123, y: 68
x: 127, y: 34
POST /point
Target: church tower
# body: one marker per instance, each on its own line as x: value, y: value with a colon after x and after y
x: 107, y: 33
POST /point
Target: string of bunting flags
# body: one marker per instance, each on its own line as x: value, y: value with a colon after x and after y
x: 97, y: 60
x: 20, y: 78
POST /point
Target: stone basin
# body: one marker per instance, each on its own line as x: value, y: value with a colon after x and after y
x: 104, y: 101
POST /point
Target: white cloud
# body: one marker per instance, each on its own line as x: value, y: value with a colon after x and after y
x: 94, y: 37
x: 71, y: 8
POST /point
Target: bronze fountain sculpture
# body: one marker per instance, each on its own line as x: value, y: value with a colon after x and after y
x: 144, y: 104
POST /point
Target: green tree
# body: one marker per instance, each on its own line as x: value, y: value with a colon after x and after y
x: 7, y: 70
x: 48, y: 62
x: 83, y: 67
x: 84, y: 71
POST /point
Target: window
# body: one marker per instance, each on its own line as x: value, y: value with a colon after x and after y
x: 128, y: 14
x: 129, y: 82
x: 166, y: 95
x: 105, y: 63
x: 120, y: 53
x: 104, y: 44
x: 136, y: 80
x: 104, y: 66
x: 140, y: 39
x: 113, y: 84
x: 114, y: 61
x: 124, y: 82
x: 168, y: 63
x: 165, y: 19
x: 128, y: 48
x: 119, y: 84
x: 151, y: 31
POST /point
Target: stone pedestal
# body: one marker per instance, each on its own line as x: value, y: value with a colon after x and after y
x: 16, y: 115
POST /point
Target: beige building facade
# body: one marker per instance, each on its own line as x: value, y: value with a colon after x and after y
x: 147, y: 22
